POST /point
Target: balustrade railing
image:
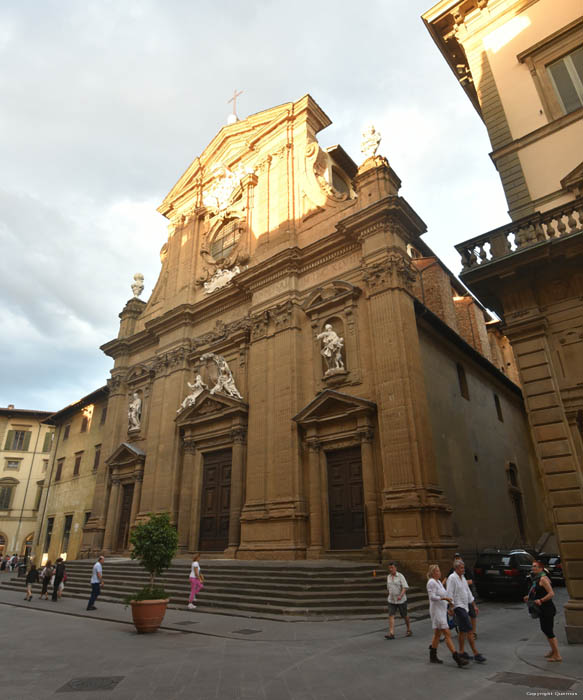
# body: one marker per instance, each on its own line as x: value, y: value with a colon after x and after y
x: 531, y: 230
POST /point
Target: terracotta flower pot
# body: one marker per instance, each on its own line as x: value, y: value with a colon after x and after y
x: 148, y: 614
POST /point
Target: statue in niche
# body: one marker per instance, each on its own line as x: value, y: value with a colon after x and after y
x: 138, y: 284
x: 370, y: 141
x: 331, y: 350
x: 196, y: 389
x: 135, y: 412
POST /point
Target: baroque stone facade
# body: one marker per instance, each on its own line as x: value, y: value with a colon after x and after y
x: 258, y: 443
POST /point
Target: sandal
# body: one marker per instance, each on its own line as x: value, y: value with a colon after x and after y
x: 554, y: 658
x: 409, y: 633
x: 389, y: 636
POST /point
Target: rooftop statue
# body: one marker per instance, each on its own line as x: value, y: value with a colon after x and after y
x: 138, y: 284
x: 370, y: 141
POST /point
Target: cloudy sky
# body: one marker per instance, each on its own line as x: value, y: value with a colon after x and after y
x: 104, y: 103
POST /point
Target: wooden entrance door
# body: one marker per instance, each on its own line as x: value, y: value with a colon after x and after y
x: 123, y: 532
x: 345, y: 499
x: 215, y: 501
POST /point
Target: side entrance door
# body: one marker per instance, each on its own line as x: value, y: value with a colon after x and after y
x: 345, y: 499
x: 127, y: 496
x: 215, y: 501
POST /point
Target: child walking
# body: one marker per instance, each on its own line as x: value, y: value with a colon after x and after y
x: 196, y: 581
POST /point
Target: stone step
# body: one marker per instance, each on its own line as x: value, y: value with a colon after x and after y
x: 271, y: 588
x: 237, y: 606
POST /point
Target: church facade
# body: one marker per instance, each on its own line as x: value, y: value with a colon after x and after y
x: 307, y: 380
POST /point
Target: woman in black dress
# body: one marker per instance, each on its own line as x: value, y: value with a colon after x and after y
x: 540, y: 599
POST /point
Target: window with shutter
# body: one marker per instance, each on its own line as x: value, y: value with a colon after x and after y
x: 48, y: 442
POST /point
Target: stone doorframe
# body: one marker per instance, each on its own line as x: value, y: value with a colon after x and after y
x: 214, y: 422
x: 125, y: 466
x: 334, y: 420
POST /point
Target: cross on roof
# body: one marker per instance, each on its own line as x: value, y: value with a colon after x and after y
x: 234, y: 101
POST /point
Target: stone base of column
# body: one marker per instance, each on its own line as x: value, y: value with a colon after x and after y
x: 314, y: 552
x: 231, y: 552
x: 574, y: 621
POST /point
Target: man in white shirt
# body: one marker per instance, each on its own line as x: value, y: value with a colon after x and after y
x: 397, y: 587
x: 459, y: 591
x: 96, y: 582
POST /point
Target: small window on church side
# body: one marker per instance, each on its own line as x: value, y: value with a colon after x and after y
x: 498, y: 408
x: 463, y: 382
x: 225, y: 240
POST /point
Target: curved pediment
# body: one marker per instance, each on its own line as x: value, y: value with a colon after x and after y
x: 210, y: 406
x: 333, y: 405
x: 330, y: 294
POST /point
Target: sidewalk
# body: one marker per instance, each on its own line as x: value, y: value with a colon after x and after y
x: 200, y: 656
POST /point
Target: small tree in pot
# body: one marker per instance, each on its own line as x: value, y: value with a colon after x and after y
x: 154, y: 545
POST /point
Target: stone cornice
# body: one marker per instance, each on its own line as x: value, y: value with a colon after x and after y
x: 382, y: 214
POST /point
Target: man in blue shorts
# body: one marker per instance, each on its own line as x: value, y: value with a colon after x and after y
x: 459, y: 591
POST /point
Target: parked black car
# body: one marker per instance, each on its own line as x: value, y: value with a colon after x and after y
x: 505, y: 571
x: 553, y: 565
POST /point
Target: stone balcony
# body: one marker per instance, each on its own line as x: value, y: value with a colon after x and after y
x: 513, y: 239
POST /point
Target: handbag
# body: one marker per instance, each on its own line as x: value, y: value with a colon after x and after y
x: 533, y: 609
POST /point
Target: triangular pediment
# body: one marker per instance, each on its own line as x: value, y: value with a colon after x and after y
x: 208, y: 405
x: 574, y: 179
x: 330, y: 404
x: 234, y: 146
x: 126, y: 453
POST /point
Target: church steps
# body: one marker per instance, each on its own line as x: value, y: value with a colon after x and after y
x: 248, y: 588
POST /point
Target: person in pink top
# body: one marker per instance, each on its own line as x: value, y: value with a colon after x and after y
x: 196, y: 581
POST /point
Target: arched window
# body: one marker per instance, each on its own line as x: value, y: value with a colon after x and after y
x: 225, y: 239
x: 2, y: 544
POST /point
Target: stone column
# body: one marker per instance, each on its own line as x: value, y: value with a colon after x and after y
x: 111, y: 524
x: 369, y: 487
x: 314, y: 452
x: 238, y: 436
x: 137, y: 497
x: 185, y: 503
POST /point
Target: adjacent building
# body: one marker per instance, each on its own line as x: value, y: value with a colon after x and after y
x: 69, y: 484
x: 521, y: 64
x: 25, y: 446
x: 307, y: 379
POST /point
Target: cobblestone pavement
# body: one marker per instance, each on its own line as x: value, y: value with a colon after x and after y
x: 52, y: 650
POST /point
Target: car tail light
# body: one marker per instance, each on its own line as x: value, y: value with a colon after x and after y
x: 479, y: 571
x: 511, y: 572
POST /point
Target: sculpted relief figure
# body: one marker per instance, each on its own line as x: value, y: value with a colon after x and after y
x: 331, y: 349
x: 138, y: 284
x: 370, y: 141
x: 196, y: 389
x: 135, y: 412
x: 219, y: 193
x: 220, y: 279
x: 225, y: 383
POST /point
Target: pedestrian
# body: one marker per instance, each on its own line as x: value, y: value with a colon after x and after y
x: 470, y: 579
x: 397, y: 587
x: 438, y: 600
x: 4, y: 563
x: 31, y: 577
x: 13, y: 561
x: 96, y: 582
x: 459, y: 591
x: 196, y: 581
x: 541, y: 605
x: 46, y: 576
x: 58, y: 577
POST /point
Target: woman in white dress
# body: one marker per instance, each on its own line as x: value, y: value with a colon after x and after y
x: 438, y: 600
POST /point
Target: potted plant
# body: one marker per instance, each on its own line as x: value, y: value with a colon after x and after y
x: 154, y: 544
